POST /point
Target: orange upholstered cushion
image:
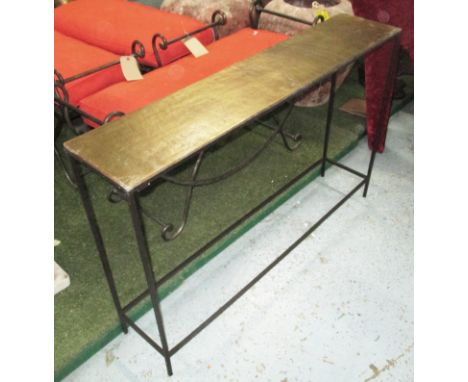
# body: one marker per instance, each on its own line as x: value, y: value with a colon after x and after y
x: 130, y: 96
x: 72, y: 57
x: 113, y: 25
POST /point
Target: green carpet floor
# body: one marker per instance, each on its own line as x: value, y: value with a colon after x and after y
x: 85, y: 319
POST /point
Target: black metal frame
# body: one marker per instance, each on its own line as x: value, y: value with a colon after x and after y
x: 136, y: 215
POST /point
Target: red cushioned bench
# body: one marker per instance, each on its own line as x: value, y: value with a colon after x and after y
x: 126, y: 97
x: 91, y: 36
x: 72, y: 56
x: 113, y: 25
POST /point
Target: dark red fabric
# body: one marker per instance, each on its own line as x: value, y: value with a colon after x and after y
x: 399, y: 13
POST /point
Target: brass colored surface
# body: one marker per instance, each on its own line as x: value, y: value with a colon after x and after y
x: 136, y: 148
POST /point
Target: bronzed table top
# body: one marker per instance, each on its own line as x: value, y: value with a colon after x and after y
x: 138, y: 147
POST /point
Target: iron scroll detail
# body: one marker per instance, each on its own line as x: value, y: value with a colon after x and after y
x: 159, y: 41
x: 168, y: 230
x: 138, y: 49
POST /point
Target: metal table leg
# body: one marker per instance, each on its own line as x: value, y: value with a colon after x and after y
x: 139, y: 228
x: 331, y: 102
x: 84, y: 194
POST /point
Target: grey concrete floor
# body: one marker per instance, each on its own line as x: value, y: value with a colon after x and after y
x: 339, y: 308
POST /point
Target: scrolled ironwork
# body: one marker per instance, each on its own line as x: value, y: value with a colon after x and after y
x: 138, y: 49
x: 164, y: 42
x: 255, y: 10
x: 169, y: 232
x: 58, y: 77
x: 61, y: 93
x: 162, y: 45
x: 112, y: 115
x: 114, y: 196
x: 218, y: 18
x: 296, y: 138
x: 63, y: 115
x: 59, y: 84
x: 235, y: 169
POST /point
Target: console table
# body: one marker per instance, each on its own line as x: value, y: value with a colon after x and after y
x: 136, y: 150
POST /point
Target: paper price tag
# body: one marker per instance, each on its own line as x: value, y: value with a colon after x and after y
x: 130, y: 68
x: 195, y: 46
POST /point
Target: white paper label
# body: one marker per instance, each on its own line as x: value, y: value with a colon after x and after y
x: 195, y: 46
x: 130, y: 68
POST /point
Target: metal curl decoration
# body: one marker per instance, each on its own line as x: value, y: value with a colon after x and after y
x: 163, y: 45
x: 169, y: 232
x: 254, y: 12
x: 219, y: 18
x: 138, y: 49
x: 296, y: 138
x: 63, y: 114
x: 235, y: 169
x: 112, y: 115
x: 61, y: 93
x: 59, y: 83
x: 114, y: 196
x: 59, y: 77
